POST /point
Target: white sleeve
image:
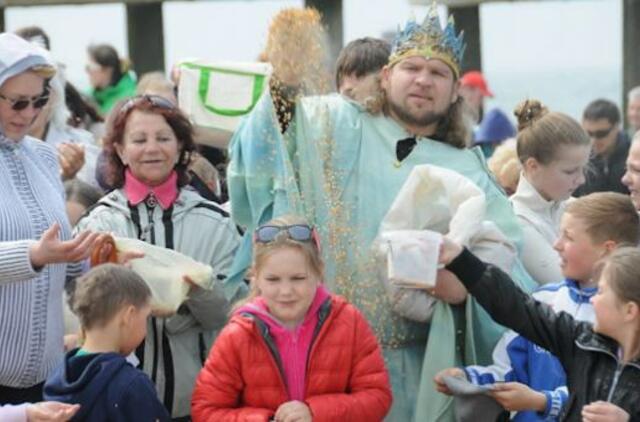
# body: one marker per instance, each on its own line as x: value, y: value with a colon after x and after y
x: 10, y: 413
x: 539, y: 258
x: 15, y: 261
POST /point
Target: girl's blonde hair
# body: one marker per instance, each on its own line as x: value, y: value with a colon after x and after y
x: 262, y: 251
x: 622, y: 269
x: 541, y: 132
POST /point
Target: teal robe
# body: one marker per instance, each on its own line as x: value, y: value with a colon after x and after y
x: 336, y: 166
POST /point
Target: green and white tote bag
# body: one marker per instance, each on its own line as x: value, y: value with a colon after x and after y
x: 217, y: 94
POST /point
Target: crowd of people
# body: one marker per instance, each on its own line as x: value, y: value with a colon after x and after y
x: 533, y: 313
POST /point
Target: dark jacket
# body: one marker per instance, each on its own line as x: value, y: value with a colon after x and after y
x: 594, y: 371
x: 106, y: 387
x: 604, y: 173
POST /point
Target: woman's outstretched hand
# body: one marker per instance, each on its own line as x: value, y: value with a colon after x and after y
x: 50, y: 249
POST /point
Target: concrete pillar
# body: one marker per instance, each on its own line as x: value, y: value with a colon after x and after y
x: 630, y: 52
x: 145, y: 31
x: 467, y: 18
x: 331, y: 11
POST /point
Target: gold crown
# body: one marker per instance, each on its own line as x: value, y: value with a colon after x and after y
x: 429, y: 40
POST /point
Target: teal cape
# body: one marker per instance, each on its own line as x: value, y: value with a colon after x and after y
x: 336, y: 166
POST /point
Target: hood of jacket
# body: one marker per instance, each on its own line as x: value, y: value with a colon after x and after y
x: 83, y: 379
x: 258, y: 307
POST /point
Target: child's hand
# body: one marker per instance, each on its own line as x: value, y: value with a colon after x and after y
x: 50, y: 411
x: 448, y: 288
x: 440, y: 384
x: 293, y: 411
x: 600, y: 411
x: 515, y: 396
x: 449, y: 250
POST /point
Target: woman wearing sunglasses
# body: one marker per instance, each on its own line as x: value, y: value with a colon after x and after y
x: 35, y: 234
x: 292, y: 351
x: 147, y: 147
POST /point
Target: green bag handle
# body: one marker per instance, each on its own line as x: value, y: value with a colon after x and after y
x: 203, y: 88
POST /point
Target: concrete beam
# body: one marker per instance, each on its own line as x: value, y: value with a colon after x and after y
x: 146, y: 37
x: 467, y: 18
x: 331, y: 11
x: 630, y: 52
x: 8, y: 3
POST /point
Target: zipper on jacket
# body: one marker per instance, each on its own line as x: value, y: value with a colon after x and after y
x: 323, y: 315
x: 294, y: 340
x: 263, y: 331
x: 619, y: 367
x: 149, y: 234
x: 614, y: 384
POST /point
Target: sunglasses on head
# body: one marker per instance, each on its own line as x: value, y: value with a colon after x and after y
x: 297, y: 232
x: 153, y: 100
x: 599, y: 134
x: 22, y: 103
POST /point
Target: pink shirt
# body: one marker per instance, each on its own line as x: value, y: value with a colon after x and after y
x: 293, y: 345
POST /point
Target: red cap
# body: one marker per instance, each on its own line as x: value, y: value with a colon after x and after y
x: 475, y: 79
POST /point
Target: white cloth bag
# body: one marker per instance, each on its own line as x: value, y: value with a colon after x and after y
x: 163, y: 270
x: 441, y: 200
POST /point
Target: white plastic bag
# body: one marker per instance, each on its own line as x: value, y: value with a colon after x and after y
x: 412, y: 257
x: 163, y: 270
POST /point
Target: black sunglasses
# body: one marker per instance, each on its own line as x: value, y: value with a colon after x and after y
x: 297, y: 232
x: 599, y: 134
x: 153, y: 100
x: 22, y: 103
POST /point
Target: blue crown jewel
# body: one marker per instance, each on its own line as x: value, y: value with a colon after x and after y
x: 430, y: 40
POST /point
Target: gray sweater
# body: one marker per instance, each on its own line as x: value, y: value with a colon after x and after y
x: 31, y: 200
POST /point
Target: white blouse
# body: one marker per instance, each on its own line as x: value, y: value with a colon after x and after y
x: 540, y: 222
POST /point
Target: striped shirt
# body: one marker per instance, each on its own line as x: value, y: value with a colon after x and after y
x: 31, y: 323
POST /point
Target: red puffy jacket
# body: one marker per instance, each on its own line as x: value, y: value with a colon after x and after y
x: 346, y: 378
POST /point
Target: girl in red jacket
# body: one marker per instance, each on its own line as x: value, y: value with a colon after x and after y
x: 292, y: 352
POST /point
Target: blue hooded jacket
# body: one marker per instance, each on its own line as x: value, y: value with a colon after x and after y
x: 106, y: 387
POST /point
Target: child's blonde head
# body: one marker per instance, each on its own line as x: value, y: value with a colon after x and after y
x: 607, y: 216
x: 104, y: 291
x: 541, y: 133
x: 505, y: 165
x: 622, y: 271
x: 262, y: 251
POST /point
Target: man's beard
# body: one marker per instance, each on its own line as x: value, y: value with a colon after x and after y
x: 405, y: 116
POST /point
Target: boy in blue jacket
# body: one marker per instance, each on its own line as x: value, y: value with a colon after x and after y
x: 530, y: 379
x: 113, y: 304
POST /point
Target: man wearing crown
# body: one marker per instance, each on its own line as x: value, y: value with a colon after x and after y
x: 341, y: 165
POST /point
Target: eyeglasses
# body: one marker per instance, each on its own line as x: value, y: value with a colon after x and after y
x: 297, y: 232
x: 153, y: 100
x: 22, y: 103
x: 599, y: 134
